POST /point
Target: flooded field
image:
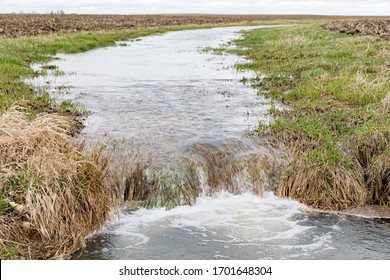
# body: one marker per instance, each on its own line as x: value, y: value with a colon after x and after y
x: 180, y: 117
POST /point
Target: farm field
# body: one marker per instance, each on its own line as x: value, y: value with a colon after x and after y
x: 331, y: 72
x: 15, y: 25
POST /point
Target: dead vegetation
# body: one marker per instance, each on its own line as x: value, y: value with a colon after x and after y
x: 373, y: 154
x: 361, y: 179
x: 378, y: 27
x: 385, y: 104
x: 14, y: 25
x: 54, y: 192
x: 324, y: 186
x: 334, y: 187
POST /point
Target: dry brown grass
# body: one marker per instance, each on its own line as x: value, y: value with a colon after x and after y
x: 385, y: 104
x: 379, y: 179
x: 373, y: 155
x: 331, y: 186
x: 323, y: 186
x: 60, y: 188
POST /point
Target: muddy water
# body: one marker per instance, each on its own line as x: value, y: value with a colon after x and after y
x: 177, y: 120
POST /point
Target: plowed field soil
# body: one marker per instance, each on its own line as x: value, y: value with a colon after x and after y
x: 375, y: 27
x: 16, y: 25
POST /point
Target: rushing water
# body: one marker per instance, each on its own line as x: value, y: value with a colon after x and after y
x: 238, y: 227
x: 165, y: 101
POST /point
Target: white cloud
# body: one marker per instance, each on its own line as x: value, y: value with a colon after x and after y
x: 331, y: 7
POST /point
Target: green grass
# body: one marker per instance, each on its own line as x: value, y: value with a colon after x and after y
x: 4, y: 206
x: 333, y: 84
x: 8, y: 252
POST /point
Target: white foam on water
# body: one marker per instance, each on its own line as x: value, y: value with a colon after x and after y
x: 321, y: 244
x: 267, y: 223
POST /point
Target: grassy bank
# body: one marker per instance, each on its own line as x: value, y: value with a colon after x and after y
x: 337, y: 127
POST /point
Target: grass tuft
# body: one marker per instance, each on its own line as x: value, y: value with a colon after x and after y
x: 323, y: 186
x: 60, y: 188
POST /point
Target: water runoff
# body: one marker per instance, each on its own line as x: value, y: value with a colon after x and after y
x: 197, y: 184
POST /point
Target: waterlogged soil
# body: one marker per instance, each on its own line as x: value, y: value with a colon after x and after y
x: 163, y: 101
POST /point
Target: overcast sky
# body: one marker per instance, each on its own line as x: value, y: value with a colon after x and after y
x: 330, y: 7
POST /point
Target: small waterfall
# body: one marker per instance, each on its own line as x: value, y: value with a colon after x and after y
x: 236, y: 166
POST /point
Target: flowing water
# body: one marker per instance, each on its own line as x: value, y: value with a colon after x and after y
x: 178, y: 120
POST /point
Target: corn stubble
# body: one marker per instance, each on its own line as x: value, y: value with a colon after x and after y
x: 58, y: 191
x: 378, y: 27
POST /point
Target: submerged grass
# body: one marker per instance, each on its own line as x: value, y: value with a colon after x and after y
x: 206, y: 170
x: 337, y: 127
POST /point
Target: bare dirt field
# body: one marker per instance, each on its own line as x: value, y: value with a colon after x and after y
x: 16, y: 25
x: 375, y: 27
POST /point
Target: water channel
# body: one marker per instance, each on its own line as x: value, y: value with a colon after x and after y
x: 166, y: 100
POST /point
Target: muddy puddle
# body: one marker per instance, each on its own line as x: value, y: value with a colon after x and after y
x: 178, y: 122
